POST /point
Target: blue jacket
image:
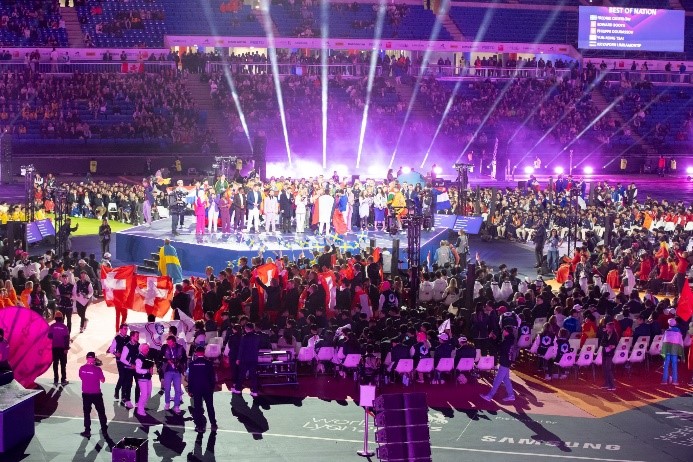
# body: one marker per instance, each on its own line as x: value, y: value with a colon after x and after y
x: 253, y: 202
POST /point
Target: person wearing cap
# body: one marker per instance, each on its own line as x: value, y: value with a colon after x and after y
x: 444, y: 349
x: 201, y: 384
x: 465, y: 350
x: 65, y: 298
x: 608, y: 342
x: 60, y: 343
x: 83, y: 293
x: 672, y: 350
x: 106, y: 261
x: 92, y: 377
x: 504, y: 364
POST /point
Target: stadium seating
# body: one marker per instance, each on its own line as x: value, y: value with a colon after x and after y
x: 113, y: 23
x: 357, y: 21
x: 139, y: 109
x: 516, y: 25
x: 29, y: 29
x: 227, y: 18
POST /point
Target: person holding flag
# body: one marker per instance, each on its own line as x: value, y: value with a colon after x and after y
x: 169, y: 265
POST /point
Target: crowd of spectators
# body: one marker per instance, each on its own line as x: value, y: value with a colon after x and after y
x: 104, y: 106
x: 32, y: 23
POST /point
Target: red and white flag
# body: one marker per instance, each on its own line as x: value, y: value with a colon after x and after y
x: 118, y: 286
x: 265, y: 273
x: 153, y: 294
x: 132, y: 68
x: 327, y: 280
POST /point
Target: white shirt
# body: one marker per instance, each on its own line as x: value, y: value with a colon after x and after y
x: 426, y: 291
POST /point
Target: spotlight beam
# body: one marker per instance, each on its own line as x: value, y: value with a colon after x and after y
x: 382, y: 8
x: 584, y: 130
x: 506, y: 87
x: 565, y: 114
x: 229, y: 77
x: 272, y: 51
x: 448, y: 106
x: 427, y: 56
x: 621, y: 128
x: 651, y: 129
x: 324, y: 34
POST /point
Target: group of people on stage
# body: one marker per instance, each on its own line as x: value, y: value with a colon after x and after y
x: 286, y: 205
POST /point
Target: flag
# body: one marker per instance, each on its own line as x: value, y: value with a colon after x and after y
x: 684, y: 308
x: 153, y: 294
x: 265, y: 273
x: 118, y: 286
x: 132, y: 68
x: 326, y: 278
x: 442, y: 201
x: 169, y: 265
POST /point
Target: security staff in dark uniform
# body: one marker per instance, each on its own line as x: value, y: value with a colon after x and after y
x: 201, y: 384
x: 92, y: 377
x: 65, y: 290
x: 128, y: 357
x: 247, y: 360
x: 116, y: 349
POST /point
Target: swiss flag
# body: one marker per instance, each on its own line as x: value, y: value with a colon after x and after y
x: 118, y: 286
x: 327, y: 280
x: 132, y: 68
x: 684, y: 308
x: 265, y: 273
x: 153, y: 294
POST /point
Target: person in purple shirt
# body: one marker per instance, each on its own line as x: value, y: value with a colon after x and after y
x: 92, y: 377
x: 60, y: 343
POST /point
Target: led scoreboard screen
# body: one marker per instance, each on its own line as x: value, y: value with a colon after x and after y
x: 638, y: 29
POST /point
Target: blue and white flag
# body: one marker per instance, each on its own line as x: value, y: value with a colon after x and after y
x: 442, y: 201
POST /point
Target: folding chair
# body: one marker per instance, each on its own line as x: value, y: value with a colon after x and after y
x: 638, y: 355
x: 305, y: 355
x: 351, y: 364
x: 404, y: 368
x: 656, y: 346
x: 445, y: 366
x: 586, y: 359
x: 424, y: 367
x: 465, y: 365
x: 567, y: 362
x: 322, y: 356
x: 486, y: 363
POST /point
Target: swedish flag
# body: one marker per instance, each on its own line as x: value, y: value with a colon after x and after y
x: 169, y: 265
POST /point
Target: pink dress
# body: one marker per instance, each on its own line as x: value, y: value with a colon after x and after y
x: 200, y: 215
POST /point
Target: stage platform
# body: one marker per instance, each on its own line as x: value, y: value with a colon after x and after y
x: 216, y: 250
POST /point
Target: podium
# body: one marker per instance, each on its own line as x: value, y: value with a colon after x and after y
x: 16, y: 415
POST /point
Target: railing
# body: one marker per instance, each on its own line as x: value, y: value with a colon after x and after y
x: 110, y: 67
x: 446, y: 72
x: 361, y: 70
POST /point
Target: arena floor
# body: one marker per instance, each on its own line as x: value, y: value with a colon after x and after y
x: 562, y: 420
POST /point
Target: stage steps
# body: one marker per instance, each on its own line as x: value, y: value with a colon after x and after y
x: 150, y: 265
